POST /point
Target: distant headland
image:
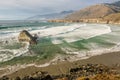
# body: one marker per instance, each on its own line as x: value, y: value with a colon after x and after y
x: 100, y: 13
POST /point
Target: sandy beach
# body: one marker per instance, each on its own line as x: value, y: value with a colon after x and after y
x: 111, y: 60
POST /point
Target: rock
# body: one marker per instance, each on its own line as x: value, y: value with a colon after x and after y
x: 18, y: 78
x: 4, y: 78
x: 48, y: 77
x: 88, y: 70
x: 82, y: 78
x: 26, y: 78
x: 25, y: 36
x: 65, y: 78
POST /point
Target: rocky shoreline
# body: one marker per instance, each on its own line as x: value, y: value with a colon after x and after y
x: 95, y: 68
x: 101, y: 21
x: 82, y: 72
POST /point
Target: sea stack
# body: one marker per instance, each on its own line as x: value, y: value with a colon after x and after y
x: 25, y: 36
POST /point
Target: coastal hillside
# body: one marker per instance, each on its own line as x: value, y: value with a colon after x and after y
x: 113, y: 17
x: 95, y: 11
x: 108, y: 13
x: 58, y: 15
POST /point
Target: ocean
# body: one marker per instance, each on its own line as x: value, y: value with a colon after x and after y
x: 9, y: 28
x: 57, y: 41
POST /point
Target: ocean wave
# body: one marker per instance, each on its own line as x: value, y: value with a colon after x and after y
x: 68, y: 33
x: 8, y: 54
x: 78, y: 32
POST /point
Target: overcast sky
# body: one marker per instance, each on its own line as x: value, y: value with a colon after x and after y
x: 21, y: 9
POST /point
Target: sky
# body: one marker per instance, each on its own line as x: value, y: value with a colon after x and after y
x: 22, y: 9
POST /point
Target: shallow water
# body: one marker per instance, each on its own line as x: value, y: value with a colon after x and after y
x: 81, y: 39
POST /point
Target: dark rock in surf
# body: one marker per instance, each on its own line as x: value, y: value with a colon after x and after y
x: 25, y: 36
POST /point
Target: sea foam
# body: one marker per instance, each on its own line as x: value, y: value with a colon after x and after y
x: 73, y: 33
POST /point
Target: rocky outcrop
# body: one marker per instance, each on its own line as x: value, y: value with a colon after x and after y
x: 25, y: 36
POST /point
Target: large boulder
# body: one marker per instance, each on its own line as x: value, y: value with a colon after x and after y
x: 25, y: 36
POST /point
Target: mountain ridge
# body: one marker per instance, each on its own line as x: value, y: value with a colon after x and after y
x: 57, y: 15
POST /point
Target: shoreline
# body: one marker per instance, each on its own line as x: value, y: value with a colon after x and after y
x: 57, y: 66
x: 110, y: 60
x: 99, y: 21
x: 71, y: 28
x: 57, y: 61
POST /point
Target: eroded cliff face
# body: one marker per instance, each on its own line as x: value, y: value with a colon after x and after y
x: 103, y: 21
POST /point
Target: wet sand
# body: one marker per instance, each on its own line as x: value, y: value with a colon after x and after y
x: 110, y: 59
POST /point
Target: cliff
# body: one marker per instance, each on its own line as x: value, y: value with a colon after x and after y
x: 106, y: 20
